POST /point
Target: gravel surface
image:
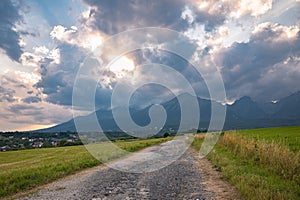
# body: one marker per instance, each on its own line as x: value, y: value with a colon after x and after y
x: 181, y: 179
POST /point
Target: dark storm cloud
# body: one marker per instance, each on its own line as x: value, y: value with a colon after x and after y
x: 57, y: 80
x: 61, y: 96
x: 9, y: 37
x: 25, y: 110
x: 152, y: 93
x: 254, y: 67
x: 32, y: 99
x: 9, y: 82
x: 112, y: 17
x: 7, y: 94
x: 51, y: 83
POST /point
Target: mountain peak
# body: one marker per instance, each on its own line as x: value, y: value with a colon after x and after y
x: 244, y: 100
x: 246, y: 108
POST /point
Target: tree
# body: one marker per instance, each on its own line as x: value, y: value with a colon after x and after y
x: 166, y: 134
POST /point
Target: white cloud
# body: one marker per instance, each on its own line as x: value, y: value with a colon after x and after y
x: 22, y: 42
x: 30, y: 59
x: 188, y: 15
x: 83, y: 37
x: 121, y: 66
x: 269, y: 30
x: 20, y: 81
x: 223, y: 30
x: 27, y: 77
x: 235, y: 8
x: 61, y: 33
x: 54, y: 55
x: 254, y: 8
x: 41, y: 50
x: 197, y: 33
x: 40, y: 55
x: 217, y: 39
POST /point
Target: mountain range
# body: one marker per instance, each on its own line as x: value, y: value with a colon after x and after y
x: 244, y: 113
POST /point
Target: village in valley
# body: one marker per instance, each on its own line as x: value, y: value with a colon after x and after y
x: 28, y: 140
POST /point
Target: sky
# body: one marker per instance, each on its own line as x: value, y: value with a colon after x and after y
x: 254, y: 45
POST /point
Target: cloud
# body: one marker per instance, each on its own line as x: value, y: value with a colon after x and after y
x: 253, y: 8
x: 115, y: 16
x: 32, y: 99
x: 14, y: 84
x: 108, y: 17
x: 280, y: 80
x: 25, y: 109
x: 57, y: 79
x: 40, y: 56
x: 83, y: 38
x: 152, y: 65
x: 252, y: 68
x: 23, y: 104
x: 63, y: 34
x: 235, y: 8
x: 112, y: 17
x: 9, y: 37
x: 7, y: 94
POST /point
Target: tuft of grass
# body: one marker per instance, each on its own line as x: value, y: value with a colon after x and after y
x: 254, y: 182
x: 260, y: 166
x: 276, y: 157
x: 26, y: 169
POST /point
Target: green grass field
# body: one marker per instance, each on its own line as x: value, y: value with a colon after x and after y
x: 261, y: 163
x: 27, y: 169
x: 287, y: 136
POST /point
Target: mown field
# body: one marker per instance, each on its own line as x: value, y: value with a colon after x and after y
x: 27, y: 169
x: 261, y: 163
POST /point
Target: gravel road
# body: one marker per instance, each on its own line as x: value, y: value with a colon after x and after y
x: 181, y: 179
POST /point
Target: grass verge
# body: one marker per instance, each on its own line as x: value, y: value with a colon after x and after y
x: 261, y: 168
x: 27, y: 169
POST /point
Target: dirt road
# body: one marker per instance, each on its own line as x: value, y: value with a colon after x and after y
x: 188, y: 177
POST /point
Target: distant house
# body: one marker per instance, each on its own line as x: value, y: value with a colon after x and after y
x: 54, y: 143
x: 37, y: 144
x: 5, y: 148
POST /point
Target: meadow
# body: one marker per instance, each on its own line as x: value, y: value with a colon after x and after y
x: 26, y: 169
x: 261, y: 163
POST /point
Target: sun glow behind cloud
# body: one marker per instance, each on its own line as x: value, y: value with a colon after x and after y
x: 122, y: 66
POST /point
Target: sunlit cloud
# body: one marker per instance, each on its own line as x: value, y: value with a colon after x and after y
x: 122, y: 66
x: 40, y: 55
x: 254, y: 8
x: 82, y: 38
x: 282, y: 32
